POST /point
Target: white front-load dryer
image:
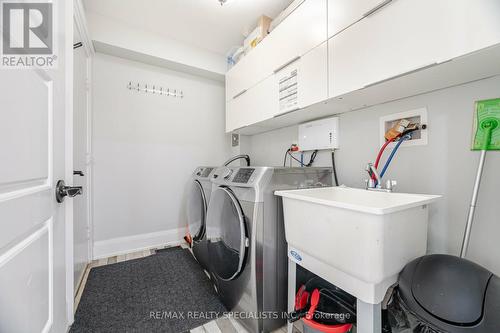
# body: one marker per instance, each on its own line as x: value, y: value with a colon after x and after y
x: 245, y: 238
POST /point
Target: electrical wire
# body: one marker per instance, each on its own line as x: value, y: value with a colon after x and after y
x: 312, y: 158
x: 334, y: 169
x: 398, y: 144
x: 284, y: 159
x: 289, y: 153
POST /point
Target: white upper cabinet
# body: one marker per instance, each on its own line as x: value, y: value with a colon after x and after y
x: 254, y: 105
x: 343, y: 13
x: 304, y: 29
x: 409, y: 35
x: 466, y: 26
x: 313, y: 76
x: 301, y: 31
x: 244, y: 75
x: 374, y: 44
x: 303, y: 82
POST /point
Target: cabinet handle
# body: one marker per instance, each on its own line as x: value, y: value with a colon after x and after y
x: 286, y: 64
x: 376, y: 8
x: 287, y: 112
x: 421, y: 68
x: 240, y: 93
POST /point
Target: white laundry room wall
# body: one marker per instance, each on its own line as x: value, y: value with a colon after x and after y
x: 145, y: 148
x: 445, y: 166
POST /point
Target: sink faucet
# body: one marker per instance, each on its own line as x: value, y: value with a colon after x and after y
x: 376, y: 184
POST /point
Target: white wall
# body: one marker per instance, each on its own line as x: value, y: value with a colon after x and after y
x: 109, y: 34
x: 145, y: 149
x: 445, y: 166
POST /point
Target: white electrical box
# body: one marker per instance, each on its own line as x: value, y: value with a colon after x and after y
x: 319, y: 134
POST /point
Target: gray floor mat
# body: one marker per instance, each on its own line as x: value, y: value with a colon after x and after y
x: 165, y: 292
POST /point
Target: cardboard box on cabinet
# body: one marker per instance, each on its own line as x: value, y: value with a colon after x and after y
x: 258, y: 34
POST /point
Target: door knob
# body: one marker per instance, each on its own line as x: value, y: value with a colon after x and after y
x: 78, y: 173
x: 66, y: 191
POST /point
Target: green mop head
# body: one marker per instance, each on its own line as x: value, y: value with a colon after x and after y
x: 487, y: 125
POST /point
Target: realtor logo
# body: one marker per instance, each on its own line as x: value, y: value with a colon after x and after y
x: 28, y: 34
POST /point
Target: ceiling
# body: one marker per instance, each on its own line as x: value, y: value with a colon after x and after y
x: 201, y: 23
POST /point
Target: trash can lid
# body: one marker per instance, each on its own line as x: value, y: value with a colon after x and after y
x: 449, y: 288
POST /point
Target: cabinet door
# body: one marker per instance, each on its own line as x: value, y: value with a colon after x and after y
x: 343, y: 13
x: 236, y: 112
x: 467, y: 26
x: 255, y: 105
x: 301, y: 31
x: 409, y: 35
x: 264, y: 100
x: 313, y: 76
x: 304, y: 82
x: 231, y: 121
x: 245, y: 74
x: 304, y: 29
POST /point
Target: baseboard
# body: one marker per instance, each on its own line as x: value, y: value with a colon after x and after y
x: 123, y: 245
x: 80, y: 279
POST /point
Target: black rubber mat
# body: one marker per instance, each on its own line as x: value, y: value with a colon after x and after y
x: 165, y: 292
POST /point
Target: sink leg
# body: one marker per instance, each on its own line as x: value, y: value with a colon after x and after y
x: 369, y: 317
x: 292, y: 276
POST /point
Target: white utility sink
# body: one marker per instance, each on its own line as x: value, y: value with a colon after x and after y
x: 357, y: 239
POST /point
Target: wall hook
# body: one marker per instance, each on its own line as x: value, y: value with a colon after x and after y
x: 154, y: 89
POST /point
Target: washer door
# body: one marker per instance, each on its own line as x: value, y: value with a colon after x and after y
x: 196, y: 211
x: 227, y: 234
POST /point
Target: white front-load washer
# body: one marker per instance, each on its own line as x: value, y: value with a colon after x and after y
x: 198, y: 199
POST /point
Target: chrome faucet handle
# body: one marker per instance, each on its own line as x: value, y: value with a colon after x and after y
x: 390, y: 185
x: 373, y: 171
x: 370, y: 183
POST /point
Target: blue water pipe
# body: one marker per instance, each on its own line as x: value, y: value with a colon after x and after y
x: 404, y: 138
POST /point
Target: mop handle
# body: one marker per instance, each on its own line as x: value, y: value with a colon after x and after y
x: 472, y: 209
x: 477, y: 184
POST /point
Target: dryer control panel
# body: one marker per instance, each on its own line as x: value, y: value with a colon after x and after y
x: 243, y: 175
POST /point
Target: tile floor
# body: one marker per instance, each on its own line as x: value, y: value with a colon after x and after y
x: 221, y: 325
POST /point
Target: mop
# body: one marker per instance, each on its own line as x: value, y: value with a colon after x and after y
x: 486, y: 137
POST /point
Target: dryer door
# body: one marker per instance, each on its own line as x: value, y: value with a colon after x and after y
x: 196, y: 211
x: 227, y: 234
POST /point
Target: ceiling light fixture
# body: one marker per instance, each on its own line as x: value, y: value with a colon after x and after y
x: 222, y: 2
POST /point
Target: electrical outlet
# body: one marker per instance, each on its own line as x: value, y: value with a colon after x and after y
x: 235, y: 140
x: 419, y: 116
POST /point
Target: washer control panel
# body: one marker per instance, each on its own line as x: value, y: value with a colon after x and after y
x: 222, y: 173
x: 204, y: 172
x: 243, y: 175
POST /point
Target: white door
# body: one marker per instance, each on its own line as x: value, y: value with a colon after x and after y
x: 81, y: 155
x: 33, y: 249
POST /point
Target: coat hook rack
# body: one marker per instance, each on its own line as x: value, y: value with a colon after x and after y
x: 155, y: 90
